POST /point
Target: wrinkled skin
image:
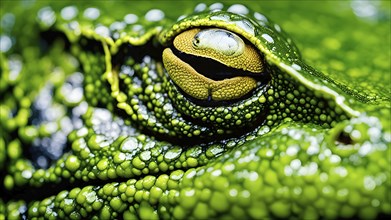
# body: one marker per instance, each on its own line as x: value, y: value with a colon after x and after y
x: 92, y: 126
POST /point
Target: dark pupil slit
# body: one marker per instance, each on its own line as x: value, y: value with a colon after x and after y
x: 213, y: 69
x: 196, y: 41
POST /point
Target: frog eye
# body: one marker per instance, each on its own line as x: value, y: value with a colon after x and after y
x: 213, y: 64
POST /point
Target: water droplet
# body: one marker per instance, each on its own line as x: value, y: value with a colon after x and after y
x: 5, y: 43
x: 260, y: 17
x: 277, y: 27
x: 221, y: 41
x: 154, y: 15
x: 102, y: 31
x: 233, y: 192
x: 181, y: 17
x: 268, y: 38
x: 117, y: 26
x: 365, y: 149
x: 15, y: 67
x: 73, y: 95
x: 246, y: 26
x: 69, y: 12
x: 137, y: 28
x: 296, y: 67
x: 269, y: 153
x: 365, y: 8
x: 309, y: 169
x: 130, y: 18
x: 220, y: 17
x: 335, y: 159
x: 295, y: 164
x: 341, y: 171
x: 288, y: 171
x: 253, y: 176
x: 200, y: 7
x: 387, y: 137
x: 90, y: 196
x: 145, y: 155
x: 91, y: 13
x: 263, y: 130
x: 47, y: 16
x: 74, y: 25
x: 216, y: 150
x: 72, y: 90
x: 68, y: 201
x: 173, y: 153
x: 374, y: 134
x: 238, y: 9
x: 313, y: 148
x: 369, y: 183
x: 190, y: 193
x: 323, y: 177
x: 216, y: 173
x: 292, y: 150
x: 42, y: 162
x: 27, y: 174
x: 216, y: 6
x: 356, y: 134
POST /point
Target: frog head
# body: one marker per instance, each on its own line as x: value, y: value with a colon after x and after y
x: 237, y: 80
x: 227, y: 74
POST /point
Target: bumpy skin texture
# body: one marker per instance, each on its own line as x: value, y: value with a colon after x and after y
x: 93, y: 127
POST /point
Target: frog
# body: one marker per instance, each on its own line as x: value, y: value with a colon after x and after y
x: 121, y: 116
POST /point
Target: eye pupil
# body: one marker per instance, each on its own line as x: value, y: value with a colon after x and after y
x: 196, y: 41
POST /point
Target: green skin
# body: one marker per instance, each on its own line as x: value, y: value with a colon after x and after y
x: 307, y: 145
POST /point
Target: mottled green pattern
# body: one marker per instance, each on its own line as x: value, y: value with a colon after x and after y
x: 92, y: 127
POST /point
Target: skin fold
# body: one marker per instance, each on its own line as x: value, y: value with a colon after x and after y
x: 94, y: 124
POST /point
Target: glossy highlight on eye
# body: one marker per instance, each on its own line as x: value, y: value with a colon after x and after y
x: 219, y: 40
